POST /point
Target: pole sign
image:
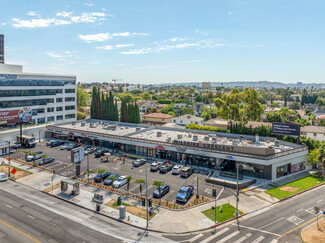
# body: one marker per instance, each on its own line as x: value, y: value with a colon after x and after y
x: 77, y: 155
x: 287, y: 129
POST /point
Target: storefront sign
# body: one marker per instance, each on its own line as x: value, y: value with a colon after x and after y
x: 11, y: 76
x: 15, y: 116
x: 205, y: 145
x: 288, y: 129
x: 181, y: 149
x: 160, y: 147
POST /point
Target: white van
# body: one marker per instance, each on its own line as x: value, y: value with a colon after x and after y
x: 3, y: 176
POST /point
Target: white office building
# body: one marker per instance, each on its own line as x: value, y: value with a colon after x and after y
x: 51, y: 97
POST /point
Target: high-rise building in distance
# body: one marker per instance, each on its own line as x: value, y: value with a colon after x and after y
x: 2, y: 49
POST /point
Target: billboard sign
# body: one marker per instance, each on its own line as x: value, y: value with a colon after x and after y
x: 15, y: 116
x: 77, y: 155
x: 287, y: 129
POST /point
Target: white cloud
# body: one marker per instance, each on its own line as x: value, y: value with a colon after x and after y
x: 177, y: 39
x: 3, y: 23
x: 89, y: 4
x: 229, y: 13
x: 64, y: 18
x: 124, y: 45
x: 65, y: 54
x: 107, y: 47
x: 32, y: 13
x: 96, y: 37
x: 122, y: 34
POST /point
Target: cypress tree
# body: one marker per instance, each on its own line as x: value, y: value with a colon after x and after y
x: 107, y: 108
x: 97, y: 105
x: 122, y: 111
x: 110, y: 104
x: 126, y: 112
x: 137, y: 113
x: 115, y: 113
x: 92, y: 105
x: 102, y: 106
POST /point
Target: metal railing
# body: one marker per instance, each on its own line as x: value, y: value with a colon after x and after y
x: 143, y: 140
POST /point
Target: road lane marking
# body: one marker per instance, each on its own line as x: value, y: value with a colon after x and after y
x: 241, y: 239
x: 263, y: 231
x: 259, y: 239
x: 271, y: 223
x: 195, y: 238
x: 20, y: 232
x: 295, y: 220
x: 319, y: 201
x: 215, y: 235
x: 9, y: 206
x: 298, y: 227
x: 229, y: 236
x: 300, y: 210
x: 311, y: 210
x: 30, y: 216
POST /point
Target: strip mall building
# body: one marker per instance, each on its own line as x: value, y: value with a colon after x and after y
x: 262, y: 157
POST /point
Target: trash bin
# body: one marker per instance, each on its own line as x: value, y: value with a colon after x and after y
x: 122, y: 212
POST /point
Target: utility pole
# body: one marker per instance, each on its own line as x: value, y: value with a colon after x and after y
x: 39, y: 135
x: 9, y: 160
x: 237, y: 199
x: 147, y: 200
x: 88, y: 166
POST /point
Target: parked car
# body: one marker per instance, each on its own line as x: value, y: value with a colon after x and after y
x: 90, y: 150
x: 49, y: 142
x: 100, y: 153
x: 16, y: 145
x: 56, y: 143
x: 139, y: 162
x: 101, y: 176
x: 72, y: 146
x: 155, y: 165
x: 120, y: 182
x: 65, y: 146
x: 46, y: 161
x: 37, y: 156
x: 185, y: 193
x: 186, y: 172
x: 109, y: 180
x: 176, y: 169
x: 164, y: 168
x: 3, y: 176
x: 164, y: 189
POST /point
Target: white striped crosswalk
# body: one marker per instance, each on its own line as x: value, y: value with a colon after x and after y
x: 241, y: 239
x: 215, y: 235
x: 259, y: 239
x: 228, y: 237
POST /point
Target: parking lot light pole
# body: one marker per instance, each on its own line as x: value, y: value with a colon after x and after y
x: 147, y: 200
x: 9, y: 161
x: 237, y: 199
x: 88, y: 166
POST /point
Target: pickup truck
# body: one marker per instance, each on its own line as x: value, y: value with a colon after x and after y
x: 185, y: 193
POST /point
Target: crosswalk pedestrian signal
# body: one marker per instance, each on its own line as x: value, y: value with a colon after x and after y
x: 214, y: 193
x: 150, y: 203
x: 119, y: 201
x: 143, y: 202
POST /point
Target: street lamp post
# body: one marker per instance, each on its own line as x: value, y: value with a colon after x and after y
x: 147, y: 200
x: 237, y: 199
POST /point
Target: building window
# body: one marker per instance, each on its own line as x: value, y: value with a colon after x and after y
x: 51, y: 118
x: 70, y: 107
x: 68, y: 99
x: 21, y: 103
x: 32, y: 92
x: 51, y: 109
x: 41, y: 120
x: 181, y: 121
x: 59, y: 108
x: 59, y: 118
x: 34, y: 82
x: 59, y: 100
x: 195, y: 123
x: 37, y: 111
x: 70, y: 116
x: 315, y: 134
x: 68, y: 91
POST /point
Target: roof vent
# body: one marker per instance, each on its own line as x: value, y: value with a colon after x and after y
x: 158, y: 134
x: 137, y: 129
x: 188, y: 117
x: 73, y: 123
x: 234, y: 142
x: 195, y: 137
x: 214, y: 140
x: 207, y: 138
x: 179, y: 136
x: 168, y: 139
x: 257, y: 138
x: 83, y: 124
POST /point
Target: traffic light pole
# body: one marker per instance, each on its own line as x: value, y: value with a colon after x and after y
x: 147, y: 202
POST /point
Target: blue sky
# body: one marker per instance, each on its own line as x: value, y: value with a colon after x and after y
x: 168, y: 41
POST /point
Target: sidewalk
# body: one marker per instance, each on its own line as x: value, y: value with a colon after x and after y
x: 166, y: 220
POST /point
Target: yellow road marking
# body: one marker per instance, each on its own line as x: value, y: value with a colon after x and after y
x: 19, y: 232
x: 298, y: 227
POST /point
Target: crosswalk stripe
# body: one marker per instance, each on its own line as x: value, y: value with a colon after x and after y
x: 241, y: 239
x: 228, y: 237
x: 195, y: 238
x: 259, y: 239
x: 215, y: 235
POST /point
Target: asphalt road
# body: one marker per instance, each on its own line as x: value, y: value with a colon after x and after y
x: 174, y: 181
x: 282, y: 222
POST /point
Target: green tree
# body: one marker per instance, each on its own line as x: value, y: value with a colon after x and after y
x: 321, y: 158
x: 34, y: 157
x: 158, y: 184
x: 128, y: 179
x: 313, y: 157
x: 146, y: 96
x: 101, y: 171
x: 140, y: 182
x: 294, y: 105
x: 81, y: 115
x: 26, y: 154
x: 198, y: 98
x: 186, y: 110
x: 44, y: 156
x: 82, y: 97
x: 88, y: 172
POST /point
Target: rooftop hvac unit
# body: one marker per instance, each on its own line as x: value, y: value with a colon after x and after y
x: 114, y: 128
x: 207, y: 138
x: 241, y: 138
x: 195, y: 137
x: 234, y: 142
x: 137, y: 129
x: 179, y: 136
x: 189, y: 134
x: 73, y: 123
x: 276, y: 144
x: 257, y: 138
x: 92, y: 125
x: 83, y: 124
x: 168, y: 139
x: 214, y: 140
x: 126, y: 127
x: 158, y: 134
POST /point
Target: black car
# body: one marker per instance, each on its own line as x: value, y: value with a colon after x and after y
x: 100, y: 153
x: 72, y: 146
x: 101, y: 177
x: 164, y: 189
x: 56, y: 143
x: 109, y: 180
x: 46, y: 161
x: 165, y: 168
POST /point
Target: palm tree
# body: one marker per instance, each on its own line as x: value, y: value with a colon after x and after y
x: 140, y: 181
x: 112, y: 178
x: 88, y: 172
x: 101, y: 171
x: 44, y: 156
x: 26, y: 154
x: 128, y: 179
x: 159, y: 184
x: 321, y: 157
x: 34, y: 154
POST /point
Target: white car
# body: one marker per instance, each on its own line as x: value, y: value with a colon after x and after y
x: 176, y: 169
x: 120, y: 182
x: 3, y: 176
x: 155, y: 165
x: 64, y: 146
x: 37, y: 156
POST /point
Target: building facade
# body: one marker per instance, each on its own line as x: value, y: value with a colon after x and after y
x: 264, y: 158
x: 52, y: 98
x: 2, y: 50
x: 188, y: 119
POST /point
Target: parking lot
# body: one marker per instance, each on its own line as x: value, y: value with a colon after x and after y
x: 63, y: 157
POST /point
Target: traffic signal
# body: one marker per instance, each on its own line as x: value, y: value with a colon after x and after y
x: 119, y: 201
x: 150, y: 203
x: 214, y: 193
x: 143, y: 202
